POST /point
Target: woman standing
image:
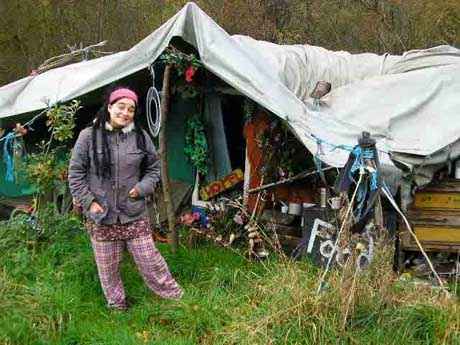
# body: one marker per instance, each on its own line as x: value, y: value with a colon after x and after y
x: 113, y: 167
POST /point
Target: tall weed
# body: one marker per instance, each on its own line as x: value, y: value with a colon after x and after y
x: 50, y: 294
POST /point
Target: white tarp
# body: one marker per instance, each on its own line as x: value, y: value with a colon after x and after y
x: 409, y: 102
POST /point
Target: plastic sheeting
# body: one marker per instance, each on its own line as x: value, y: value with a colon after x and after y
x: 409, y: 102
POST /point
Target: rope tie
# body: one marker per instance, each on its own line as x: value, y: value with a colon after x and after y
x: 8, y: 156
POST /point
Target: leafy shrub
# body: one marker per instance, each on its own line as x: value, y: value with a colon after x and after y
x: 44, y: 227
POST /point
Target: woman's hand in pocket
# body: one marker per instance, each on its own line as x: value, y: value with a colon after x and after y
x: 134, y: 193
x: 95, y: 208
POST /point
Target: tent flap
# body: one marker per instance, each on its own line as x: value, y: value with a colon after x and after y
x: 404, y: 101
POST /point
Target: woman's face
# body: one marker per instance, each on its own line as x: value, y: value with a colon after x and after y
x: 122, y: 112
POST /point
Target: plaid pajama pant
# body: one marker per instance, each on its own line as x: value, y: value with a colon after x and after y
x: 152, y: 266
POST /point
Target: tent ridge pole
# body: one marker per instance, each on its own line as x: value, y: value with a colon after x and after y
x: 165, y: 93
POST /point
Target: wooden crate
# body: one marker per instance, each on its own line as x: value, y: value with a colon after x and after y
x: 435, y: 218
x: 440, y: 201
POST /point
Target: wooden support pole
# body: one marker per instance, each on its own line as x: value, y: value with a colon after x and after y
x: 164, y: 161
x: 378, y: 213
x: 288, y: 180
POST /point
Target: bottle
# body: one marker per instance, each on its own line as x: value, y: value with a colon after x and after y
x: 323, y: 197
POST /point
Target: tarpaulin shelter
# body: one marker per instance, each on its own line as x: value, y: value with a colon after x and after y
x: 408, y: 102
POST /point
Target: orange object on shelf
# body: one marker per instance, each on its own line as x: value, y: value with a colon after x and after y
x: 252, y: 131
x: 216, y: 187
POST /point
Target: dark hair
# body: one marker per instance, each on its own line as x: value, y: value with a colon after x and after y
x: 103, y: 169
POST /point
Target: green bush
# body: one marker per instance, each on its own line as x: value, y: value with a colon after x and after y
x: 50, y: 294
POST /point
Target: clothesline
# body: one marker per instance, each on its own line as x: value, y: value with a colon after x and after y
x: 28, y: 124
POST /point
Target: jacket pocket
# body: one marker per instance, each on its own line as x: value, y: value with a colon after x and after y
x: 134, y: 154
x: 134, y: 207
x: 101, y: 199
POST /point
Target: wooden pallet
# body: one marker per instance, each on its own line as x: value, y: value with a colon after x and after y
x: 435, y: 218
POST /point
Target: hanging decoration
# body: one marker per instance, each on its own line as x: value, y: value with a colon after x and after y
x: 13, y: 152
x: 196, y: 146
x: 186, y: 67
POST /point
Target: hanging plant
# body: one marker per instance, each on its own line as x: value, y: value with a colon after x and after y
x: 190, y: 73
x: 196, y: 146
x: 182, y: 62
x: 186, y: 67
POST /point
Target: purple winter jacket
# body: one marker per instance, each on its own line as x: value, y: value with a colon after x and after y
x: 112, y: 193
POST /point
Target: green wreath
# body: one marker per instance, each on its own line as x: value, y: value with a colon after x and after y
x: 196, y: 146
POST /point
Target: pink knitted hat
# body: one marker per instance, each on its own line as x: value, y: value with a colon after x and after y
x: 122, y: 93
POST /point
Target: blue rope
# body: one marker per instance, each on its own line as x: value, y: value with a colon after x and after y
x: 358, y: 162
x: 29, y: 123
x: 369, y: 154
x: 360, y: 155
x: 320, y: 141
x: 360, y: 198
x: 6, y: 137
x: 318, y: 163
x: 8, y: 157
x: 374, y: 180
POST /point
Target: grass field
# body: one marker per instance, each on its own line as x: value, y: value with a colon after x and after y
x: 50, y: 294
